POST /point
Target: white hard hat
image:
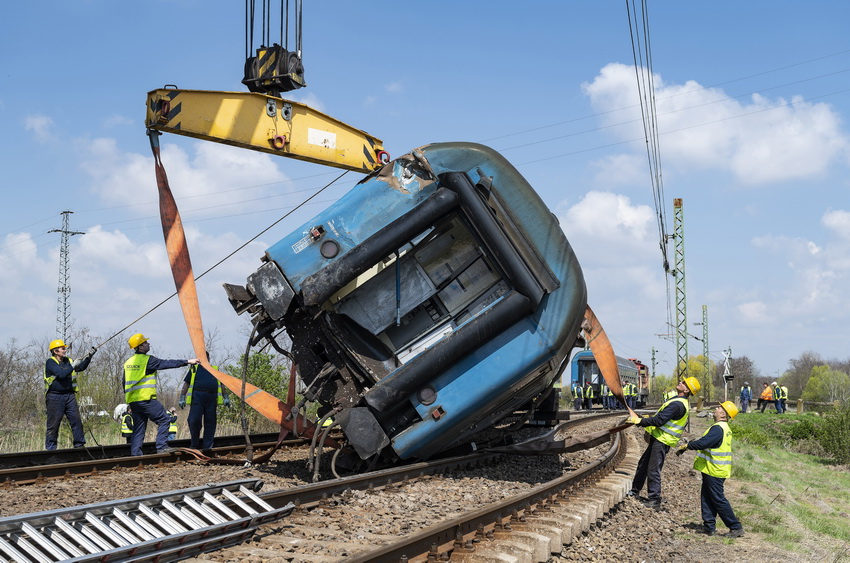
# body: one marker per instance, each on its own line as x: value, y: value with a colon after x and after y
x: 119, y: 411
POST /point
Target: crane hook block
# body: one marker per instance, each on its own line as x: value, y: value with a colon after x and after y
x: 274, y: 70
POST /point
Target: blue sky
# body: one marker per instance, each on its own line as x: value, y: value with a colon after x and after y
x: 753, y: 100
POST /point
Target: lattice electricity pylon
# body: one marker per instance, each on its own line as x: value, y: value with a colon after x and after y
x: 679, y: 276
x: 63, y: 310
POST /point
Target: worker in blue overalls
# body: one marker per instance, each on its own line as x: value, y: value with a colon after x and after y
x: 203, y: 393
x: 60, y: 393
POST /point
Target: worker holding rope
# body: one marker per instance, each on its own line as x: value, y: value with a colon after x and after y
x: 140, y: 393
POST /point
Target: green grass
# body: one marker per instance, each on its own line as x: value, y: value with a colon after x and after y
x: 789, y: 496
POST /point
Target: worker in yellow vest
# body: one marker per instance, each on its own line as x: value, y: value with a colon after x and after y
x: 578, y: 397
x: 714, y: 460
x: 127, y: 425
x: 665, y: 430
x: 140, y: 393
x: 203, y: 393
x: 588, y: 396
x: 172, y: 424
x: 60, y: 393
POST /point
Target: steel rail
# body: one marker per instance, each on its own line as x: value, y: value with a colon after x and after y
x: 436, y: 542
x: 34, y: 474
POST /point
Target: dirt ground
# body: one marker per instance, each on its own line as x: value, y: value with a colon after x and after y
x: 639, y: 534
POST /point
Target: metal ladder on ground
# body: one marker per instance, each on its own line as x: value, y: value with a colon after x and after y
x: 160, y: 527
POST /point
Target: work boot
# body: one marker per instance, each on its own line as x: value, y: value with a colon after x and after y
x: 709, y: 532
x: 166, y: 449
x: 652, y: 503
x: 736, y: 533
x: 632, y: 493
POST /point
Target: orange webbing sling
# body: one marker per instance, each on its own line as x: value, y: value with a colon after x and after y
x: 184, y: 280
x: 603, y: 353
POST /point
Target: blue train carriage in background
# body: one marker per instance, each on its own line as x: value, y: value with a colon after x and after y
x: 432, y: 301
x: 584, y: 368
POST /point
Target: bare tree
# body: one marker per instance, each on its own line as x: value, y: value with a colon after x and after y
x: 799, y: 372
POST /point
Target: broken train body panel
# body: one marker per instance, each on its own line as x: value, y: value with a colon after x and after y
x: 435, y: 298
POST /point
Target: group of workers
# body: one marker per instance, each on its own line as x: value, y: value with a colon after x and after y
x: 583, y: 396
x: 201, y: 391
x: 713, y: 459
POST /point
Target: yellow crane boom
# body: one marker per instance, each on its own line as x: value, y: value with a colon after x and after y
x: 264, y: 123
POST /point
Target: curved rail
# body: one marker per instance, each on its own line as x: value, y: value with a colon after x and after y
x: 437, y: 542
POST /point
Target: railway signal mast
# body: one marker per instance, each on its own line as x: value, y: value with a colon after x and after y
x: 63, y: 309
x: 679, y: 277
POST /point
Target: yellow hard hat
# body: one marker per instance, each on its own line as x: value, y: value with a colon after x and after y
x: 136, y: 340
x: 58, y: 343
x: 730, y: 409
x: 692, y: 383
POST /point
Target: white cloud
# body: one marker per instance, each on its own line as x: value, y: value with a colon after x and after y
x: 117, y: 121
x: 837, y: 221
x: 760, y: 141
x: 621, y: 171
x: 394, y: 87
x: 754, y: 312
x: 40, y: 126
x: 213, y: 177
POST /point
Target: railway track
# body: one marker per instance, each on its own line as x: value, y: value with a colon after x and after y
x: 327, y: 524
x: 34, y: 467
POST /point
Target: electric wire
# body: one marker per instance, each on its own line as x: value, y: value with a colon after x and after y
x: 246, y: 243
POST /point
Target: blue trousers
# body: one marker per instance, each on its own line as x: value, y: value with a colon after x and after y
x: 745, y: 404
x: 63, y: 405
x: 142, y: 411
x: 202, y: 412
x: 714, y: 503
x: 649, y: 469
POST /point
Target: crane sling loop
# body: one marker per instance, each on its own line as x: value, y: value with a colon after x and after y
x: 603, y: 353
x: 184, y: 280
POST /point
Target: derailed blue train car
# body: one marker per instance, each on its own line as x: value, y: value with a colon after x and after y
x: 433, y: 300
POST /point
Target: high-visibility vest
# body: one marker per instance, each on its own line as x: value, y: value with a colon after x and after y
x: 48, y: 380
x: 588, y: 394
x: 669, y: 394
x: 126, y: 420
x: 138, y: 386
x: 784, y: 392
x: 577, y: 392
x: 194, y: 370
x: 605, y: 391
x: 767, y: 394
x: 672, y: 430
x: 172, y: 426
x: 717, y: 462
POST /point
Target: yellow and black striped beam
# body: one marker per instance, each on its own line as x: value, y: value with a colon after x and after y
x: 264, y: 123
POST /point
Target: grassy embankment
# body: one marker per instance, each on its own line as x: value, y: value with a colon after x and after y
x: 792, y: 493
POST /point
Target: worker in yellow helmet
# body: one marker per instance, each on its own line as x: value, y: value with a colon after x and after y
x: 60, y: 393
x: 140, y: 393
x: 664, y: 429
x: 714, y: 460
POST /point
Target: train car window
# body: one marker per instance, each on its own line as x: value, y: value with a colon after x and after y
x: 468, y: 285
x: 439, y: 283
x: 451, y: 248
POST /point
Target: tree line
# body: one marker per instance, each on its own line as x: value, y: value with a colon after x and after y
x: 101, y: 385
x: 810, y: 377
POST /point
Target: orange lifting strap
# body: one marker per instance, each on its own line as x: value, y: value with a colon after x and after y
x: 603, y: 353
x: 184, y: 280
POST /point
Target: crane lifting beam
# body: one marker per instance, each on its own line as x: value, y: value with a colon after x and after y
x: 264, y: 123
